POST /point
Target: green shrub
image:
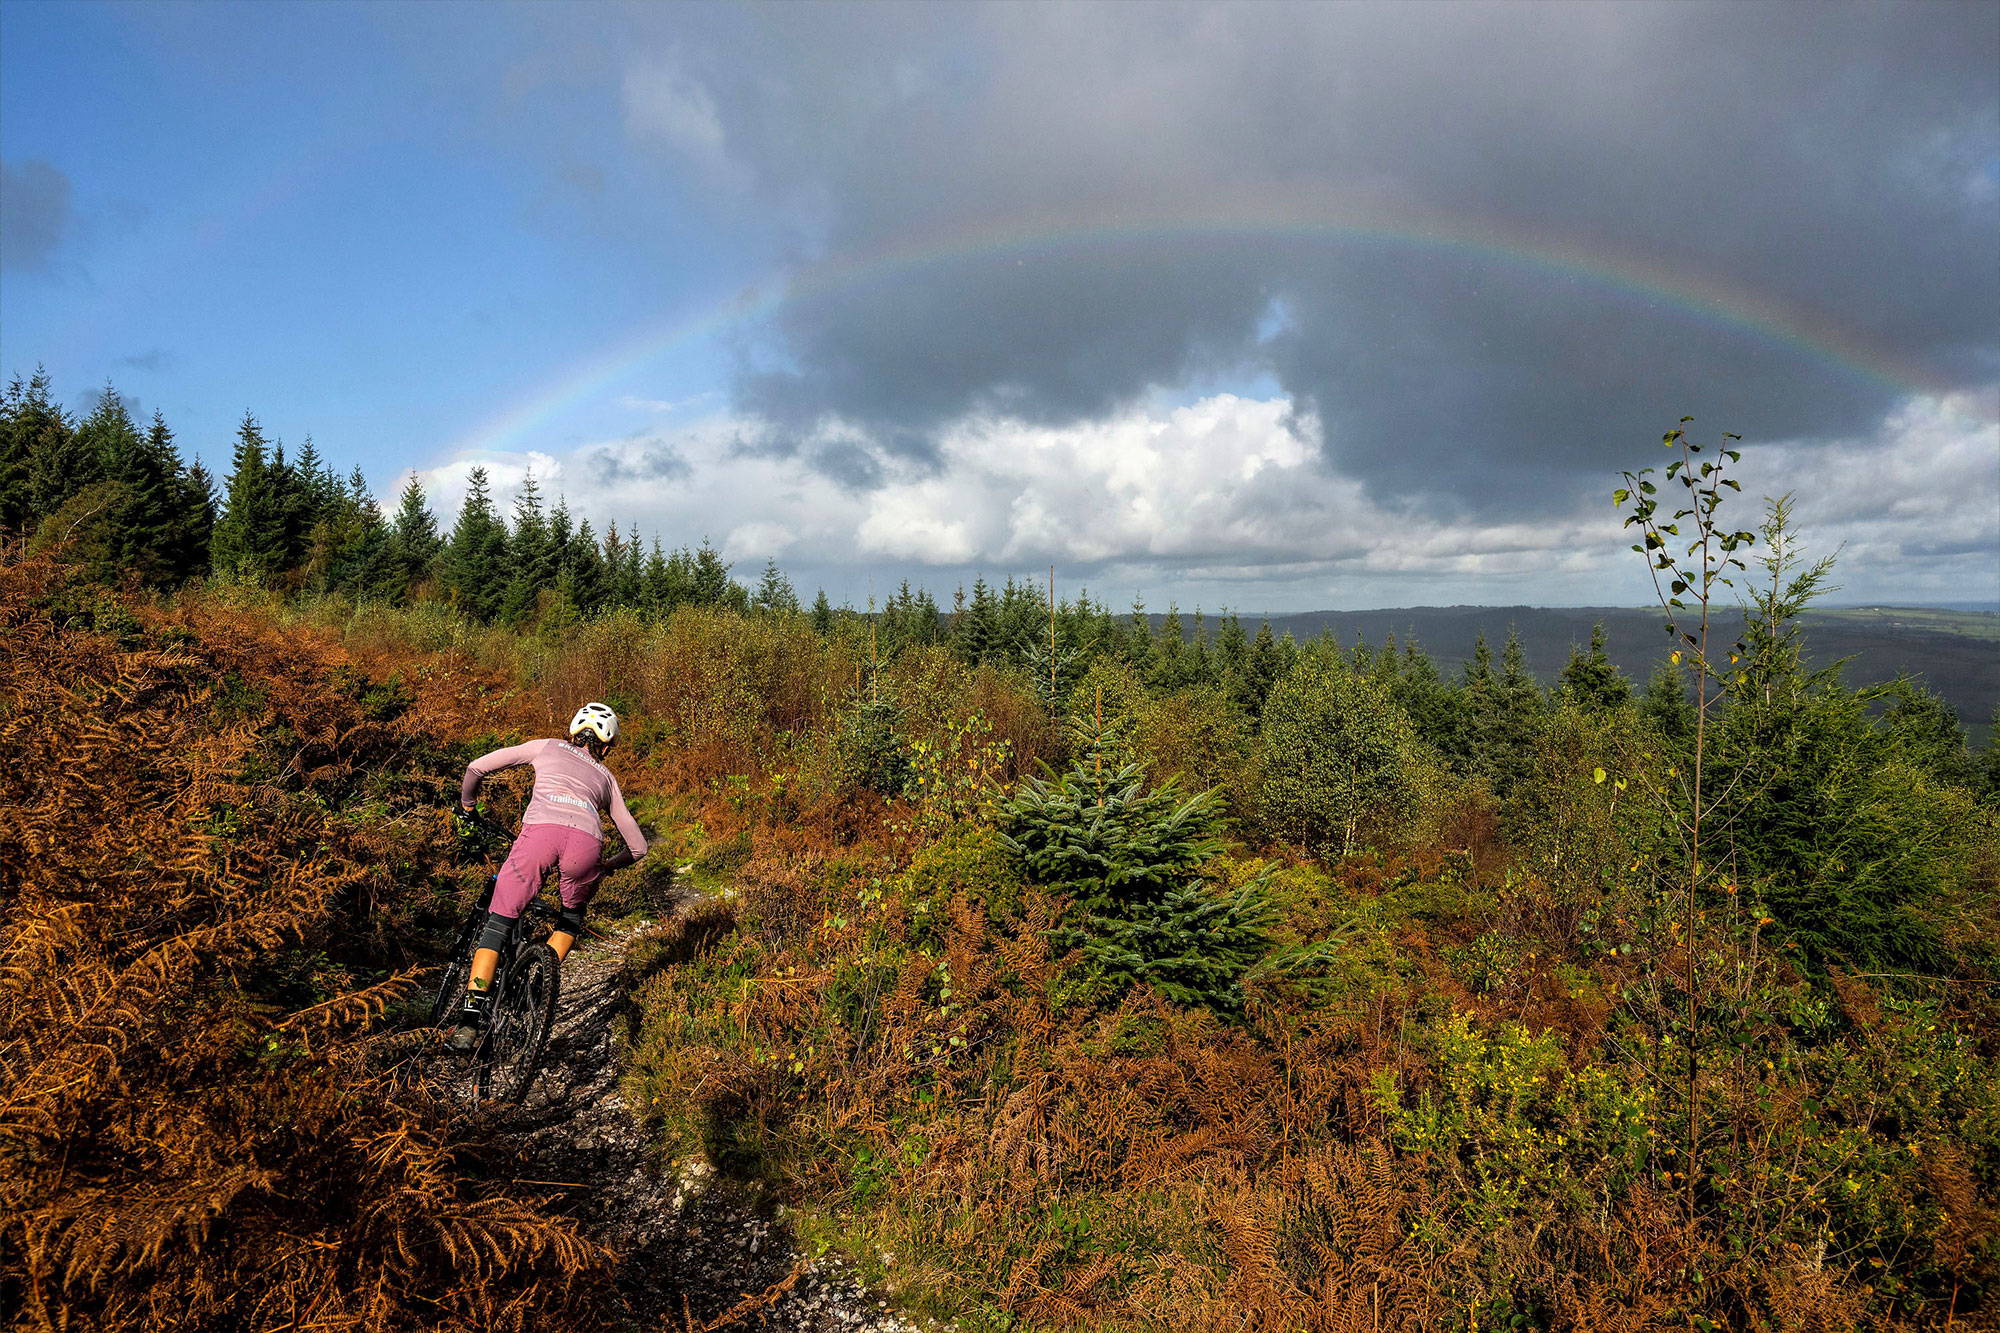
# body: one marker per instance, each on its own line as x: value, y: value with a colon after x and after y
x: 1510, y: 1126
x: 1341, y: 766
x: 1128, y: 857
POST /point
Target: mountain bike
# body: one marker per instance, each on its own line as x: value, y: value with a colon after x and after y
x: 525, y: 986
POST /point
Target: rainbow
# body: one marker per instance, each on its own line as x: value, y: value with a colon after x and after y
x: 1702, y: 298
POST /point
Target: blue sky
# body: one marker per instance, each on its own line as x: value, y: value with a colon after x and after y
x: 290, y: 210
x: 1267, y: 306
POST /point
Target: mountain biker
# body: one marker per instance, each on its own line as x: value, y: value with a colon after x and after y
x: 561, y: 828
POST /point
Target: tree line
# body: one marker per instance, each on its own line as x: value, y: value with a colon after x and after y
x: 122, y: 498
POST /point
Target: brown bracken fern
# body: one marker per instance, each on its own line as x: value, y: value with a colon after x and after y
x: 180, y: 1148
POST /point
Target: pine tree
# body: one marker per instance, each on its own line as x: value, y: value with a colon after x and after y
x: 774, y: 594
x: 1171, y: 668
x: 975, y: 629
x: 59, y: 463
x: 293, y: 511
x: 1138, y: 645
x: 322, y: 494
x: 413, y: 542
x: 822, y: 615
x: 1261, y: 669
x: 152, y: 522
x: 531, y: 557
x: 587, y: 584
x: 249, y: 536
x: 1518, y: 725
x: 196, y: 499
x: 1923, y: 731
x: 17, y: 409
x: 1666, y: 705
x: 474, y: 564
x: 1591, y: 680
x: 712, y: 585
x: 656, y: 584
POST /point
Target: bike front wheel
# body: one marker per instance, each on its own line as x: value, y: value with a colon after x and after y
x: 451, y: 986
x: 523, y: 1016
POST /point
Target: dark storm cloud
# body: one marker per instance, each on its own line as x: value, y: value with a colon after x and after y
x: 1837, y: 164
x: 637, y: 459
x: 34, y: 213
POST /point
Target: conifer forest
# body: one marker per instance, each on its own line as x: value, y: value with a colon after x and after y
x: 1047, y: 964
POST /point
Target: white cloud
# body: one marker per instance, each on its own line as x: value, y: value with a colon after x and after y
x: 1231, y: 499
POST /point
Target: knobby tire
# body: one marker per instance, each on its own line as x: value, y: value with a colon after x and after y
x: 523, y: 1017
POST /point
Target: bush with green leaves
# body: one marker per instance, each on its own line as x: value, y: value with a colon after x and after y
x: 1509, y: 1126
x: 1128, y: 858
x: 1342, y: 768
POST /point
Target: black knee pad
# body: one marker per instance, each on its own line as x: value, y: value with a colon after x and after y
x: 569, y: 921
x: 499, y: 929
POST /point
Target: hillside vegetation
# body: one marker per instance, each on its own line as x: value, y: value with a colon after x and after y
x: 219, y: 838
x: 1079, y: 974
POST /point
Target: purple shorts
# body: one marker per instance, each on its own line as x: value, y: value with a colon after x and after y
x: 539, y: 847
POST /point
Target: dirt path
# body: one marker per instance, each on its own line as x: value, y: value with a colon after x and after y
x: 689, y: 1257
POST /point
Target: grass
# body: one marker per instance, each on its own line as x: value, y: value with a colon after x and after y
x: 1982, y: 625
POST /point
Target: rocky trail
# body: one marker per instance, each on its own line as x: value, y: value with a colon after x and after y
x: 691, y: 1258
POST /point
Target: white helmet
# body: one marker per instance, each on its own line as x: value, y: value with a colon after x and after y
x: 596, y: 720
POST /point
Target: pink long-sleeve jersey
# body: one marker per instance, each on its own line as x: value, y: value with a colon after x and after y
x: 571, y: 788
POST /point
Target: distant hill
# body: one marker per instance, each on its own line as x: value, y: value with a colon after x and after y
x: 1955, y: 653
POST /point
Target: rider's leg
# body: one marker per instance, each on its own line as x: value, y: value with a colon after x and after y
x: 580, y: 855
x: 520, y: 878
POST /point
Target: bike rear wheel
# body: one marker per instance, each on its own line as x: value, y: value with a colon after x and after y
x: 523, y: 1016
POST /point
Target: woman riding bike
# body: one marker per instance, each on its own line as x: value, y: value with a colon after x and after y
x: 560, y: 828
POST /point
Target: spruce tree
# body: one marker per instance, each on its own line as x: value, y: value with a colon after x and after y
x: 1138, y: 647
x: 1261, y: 668
x: 474, y: 564
x: 928, y: 620
x: 1591, y: 680
x: 151, y: 523
x: 975, y: 630
x: 1434, y: 708
x: 1666, y: 705
x: 1923, y: 731
x: 293, y: 514
x: 365, y: 567
x: 413, y: 542
x: 249, y: 536
x: 1171, y: 668
x: 822, y: 615
x: 196, y: 499
x: 588, y: 587
x: 774, y: 592
x: 16, y: 454
x: 1513, y: 727
x: 59, y: 464
x: 656, y: 584
x: 531, y: 557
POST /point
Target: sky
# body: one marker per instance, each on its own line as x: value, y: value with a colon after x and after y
x: 1269, y: 307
